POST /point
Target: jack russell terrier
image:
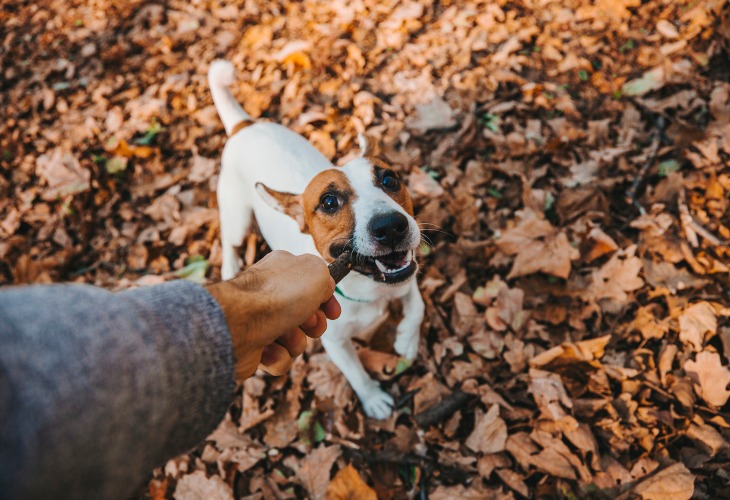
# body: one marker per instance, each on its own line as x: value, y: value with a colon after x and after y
x: 304, y: 204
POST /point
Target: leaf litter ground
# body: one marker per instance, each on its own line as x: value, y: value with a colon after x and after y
x: 569, y: 164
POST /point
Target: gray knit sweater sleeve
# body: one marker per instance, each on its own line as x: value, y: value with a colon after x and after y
x: 98, y: 388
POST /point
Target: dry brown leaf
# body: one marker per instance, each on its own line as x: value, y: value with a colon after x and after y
x: 710, y: 376
x: 314, y: 470
x: 539, y: 247
x: 549, y: 393
x: 696, y: 324
x: 347, y: 485
x: 203, y: 169
x: 617, y: 277
x: 707, y: 437
x: 434, y: 115
x: 599, y: 244
x: 507, y: 311
x: 62, y: 174
x: 490, y: 432
x: 198, y: 486
x: 648, y: 325
x: 423, y: 185
x: 673, y: 483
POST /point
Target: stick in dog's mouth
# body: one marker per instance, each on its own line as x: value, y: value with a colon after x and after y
x: 341, y: 267
x: 389, y: 268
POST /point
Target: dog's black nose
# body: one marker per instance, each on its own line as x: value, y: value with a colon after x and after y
x: 388, y: 229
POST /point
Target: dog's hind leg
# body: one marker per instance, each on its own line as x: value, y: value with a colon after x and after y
x: 375, y: 401
x: 235, y: 212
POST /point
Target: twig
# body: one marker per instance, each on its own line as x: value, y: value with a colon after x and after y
x: 443, y: 409
x: 631, y: 193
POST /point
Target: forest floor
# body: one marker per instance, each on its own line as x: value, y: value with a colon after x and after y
x: 573, y: 158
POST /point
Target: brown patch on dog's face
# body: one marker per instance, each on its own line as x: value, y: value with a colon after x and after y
x: 387, y: 180
x: 327, y: 203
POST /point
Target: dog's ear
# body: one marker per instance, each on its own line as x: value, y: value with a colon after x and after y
x: 368, y: 145
x: 287, y: 203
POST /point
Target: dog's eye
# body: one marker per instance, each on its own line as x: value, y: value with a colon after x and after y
x: 390, y: 181
x: 329, y: 202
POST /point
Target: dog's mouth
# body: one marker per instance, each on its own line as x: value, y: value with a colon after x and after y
x: 393, y: 267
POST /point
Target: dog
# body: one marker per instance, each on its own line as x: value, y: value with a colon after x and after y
x: 305, y: 204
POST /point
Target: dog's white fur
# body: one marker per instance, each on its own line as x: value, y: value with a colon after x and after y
x: 272, y: 155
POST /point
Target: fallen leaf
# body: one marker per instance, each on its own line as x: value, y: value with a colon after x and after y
x: 434, y: 115
x: 710, y: 376
x: 314, y: 471
x: 347, y: 485
x: 673, y: 483
x: 696, y: 323
x: 617, y: 277
x: 203, y: 169
x: 198, y: 486
x: 62, y: 174
x: 707, y: 437
x: 490, y: 432
x: 539, y: 247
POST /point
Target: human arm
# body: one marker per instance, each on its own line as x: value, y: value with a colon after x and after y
x: 97, y: 388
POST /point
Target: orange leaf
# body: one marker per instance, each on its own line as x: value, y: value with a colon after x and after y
x: 348, y: 485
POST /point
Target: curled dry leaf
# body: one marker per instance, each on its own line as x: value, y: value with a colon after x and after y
x: 710, y: 376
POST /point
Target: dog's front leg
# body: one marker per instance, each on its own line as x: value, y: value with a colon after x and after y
x: 409, y: 329
x: 376, y: 402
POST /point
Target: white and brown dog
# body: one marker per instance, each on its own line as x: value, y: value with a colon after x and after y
x: 304, y: 204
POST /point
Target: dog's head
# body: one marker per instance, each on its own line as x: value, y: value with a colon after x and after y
x: 362, y: 207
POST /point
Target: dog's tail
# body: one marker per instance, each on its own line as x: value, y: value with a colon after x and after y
x: 220, y: 75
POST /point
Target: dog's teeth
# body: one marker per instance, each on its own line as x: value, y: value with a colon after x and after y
x: 381, y: 266
x: 409, y: 256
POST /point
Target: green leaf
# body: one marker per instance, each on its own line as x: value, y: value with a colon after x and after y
x: 493, y: 191
x: 115, y: 165
x: 549, y: 201
x: 154, y: 129
x: 424, y: 249
x: 491, y: 122
x: 667, y: 167
x: 194, y: 270
x: 318, y: 433
x: 628, y: 45
x: 402, y: 365
x: 310, y: 429
x: 583, y: 75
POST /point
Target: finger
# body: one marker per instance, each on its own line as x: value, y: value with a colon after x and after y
x: 276, y: 359
x: 331, y: 308
x: 312, y: 321
x: 294, y: 341
x: 318, y: 329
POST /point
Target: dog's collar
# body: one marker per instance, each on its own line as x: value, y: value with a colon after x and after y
x: 339, y: 292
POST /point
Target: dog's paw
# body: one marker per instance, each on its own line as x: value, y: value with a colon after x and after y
x: 377, y: 403
x: 406, y: 346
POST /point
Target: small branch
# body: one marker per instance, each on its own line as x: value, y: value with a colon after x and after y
x: 443, y: 409
x: 633, y: 190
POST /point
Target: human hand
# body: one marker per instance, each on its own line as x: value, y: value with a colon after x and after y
x: 273, y: 306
